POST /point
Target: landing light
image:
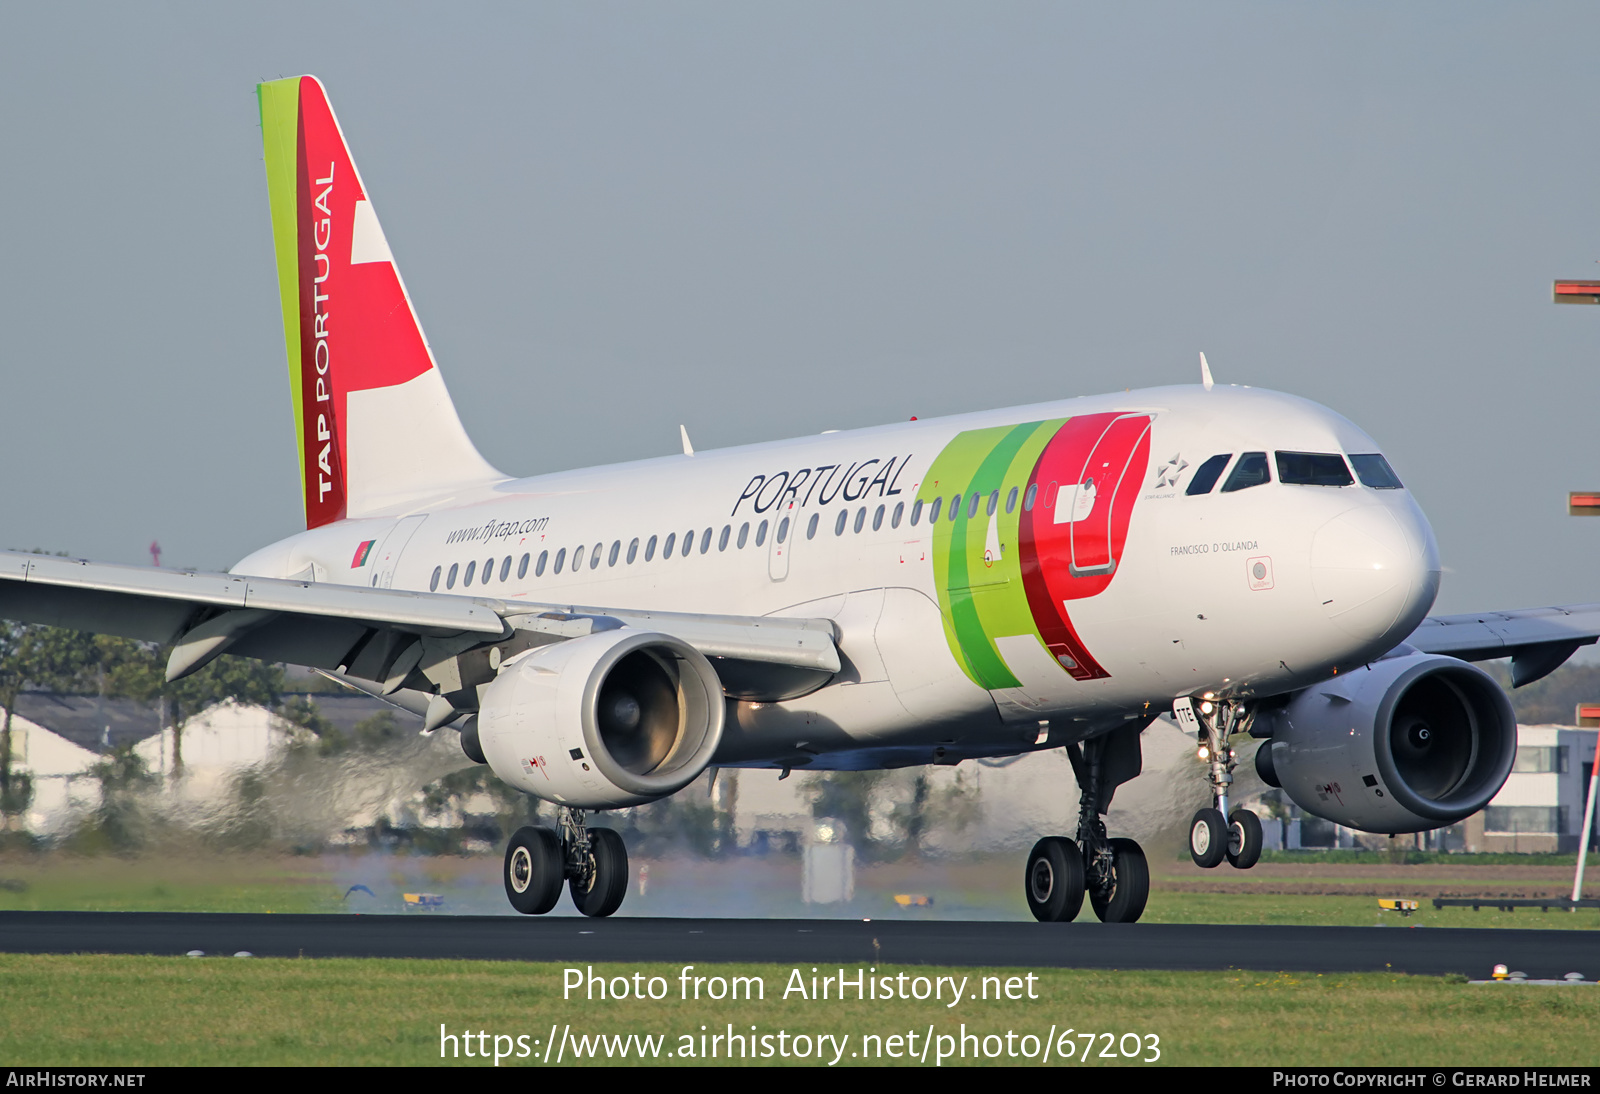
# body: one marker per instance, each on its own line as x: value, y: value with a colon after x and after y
x: 1205, y: 708
x: 1204, y: 754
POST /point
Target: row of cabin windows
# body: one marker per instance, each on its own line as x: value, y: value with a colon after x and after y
x: 575, y: 560
x: 1252, y: 469
x: 1295, y: 469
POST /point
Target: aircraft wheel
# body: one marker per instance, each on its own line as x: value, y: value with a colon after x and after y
x: 1130, y: 888
x: 608, y: 875
x: 533, y: 870
x: 1054, y: 880
x: 1208, y: 838
x: 1244, y: 839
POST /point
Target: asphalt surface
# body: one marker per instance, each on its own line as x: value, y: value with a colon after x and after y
x: 1429, y: 951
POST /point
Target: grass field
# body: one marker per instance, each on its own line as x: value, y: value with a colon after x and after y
x: 137, y: 1011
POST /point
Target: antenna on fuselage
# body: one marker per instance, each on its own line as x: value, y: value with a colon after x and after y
x: 1205, y: 373
x: 688, y: 449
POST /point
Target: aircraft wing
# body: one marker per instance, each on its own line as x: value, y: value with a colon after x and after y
x: 1538, y: 640
x: 369, y: 633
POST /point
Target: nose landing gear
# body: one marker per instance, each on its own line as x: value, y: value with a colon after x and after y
x: 1215, y: 833
x: 593, y: 863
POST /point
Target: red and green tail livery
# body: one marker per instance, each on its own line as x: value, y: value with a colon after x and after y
x: 370, y: 410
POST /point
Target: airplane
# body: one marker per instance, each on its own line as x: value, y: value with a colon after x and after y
x: 925, y: 592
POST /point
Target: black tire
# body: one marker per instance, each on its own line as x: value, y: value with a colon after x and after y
x: 533, y: 870
x: 1244, y: 839
x: 1053, y: 882
x: 1208, y: 838
x: 1131, y: 885
x: 608, y: 880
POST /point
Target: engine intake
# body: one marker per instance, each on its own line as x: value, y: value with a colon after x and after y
x: 1409, y: 743
x: 615, y: 718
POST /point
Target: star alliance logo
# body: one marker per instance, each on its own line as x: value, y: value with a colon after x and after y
x: 1167, y: 474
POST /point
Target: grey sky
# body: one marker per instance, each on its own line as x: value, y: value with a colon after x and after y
x: 767, y: 220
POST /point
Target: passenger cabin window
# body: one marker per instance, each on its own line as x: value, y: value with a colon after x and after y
x: 522, y: 567
x: 538, y: 570
x: 811, y: 526
x: 761, y: 533
x: 650, y: 549
x: 450, y: 579
x: 1251, y: 470
x: 1210, y: 471
x: 466, y: 578
x: 433, y: 585
x: 1027, y: 499
x: 1313, y: 469
x: 916, y: 512
x: 505, y: 567
x: 1374, y: 472
x: 1011, y: 500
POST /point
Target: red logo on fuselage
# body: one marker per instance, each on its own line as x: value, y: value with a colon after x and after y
x: 1084, y: 487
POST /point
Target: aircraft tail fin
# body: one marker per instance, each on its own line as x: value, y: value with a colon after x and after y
x: 374, y: 425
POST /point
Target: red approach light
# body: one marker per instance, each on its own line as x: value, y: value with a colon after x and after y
x: 1583, y: 503
x: 1576, y: 292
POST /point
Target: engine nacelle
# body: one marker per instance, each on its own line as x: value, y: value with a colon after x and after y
x: 1409, y: 743
x: 616, y: 718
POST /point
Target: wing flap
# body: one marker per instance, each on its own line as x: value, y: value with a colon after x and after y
x: 342, y: 627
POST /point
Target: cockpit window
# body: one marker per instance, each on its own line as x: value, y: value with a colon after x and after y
x: 1210, y: 471
x: 1251, y: 470
x: 1313, y: 469
x: 1374, y: 471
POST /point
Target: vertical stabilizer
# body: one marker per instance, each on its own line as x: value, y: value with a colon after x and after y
x: 374, y: 425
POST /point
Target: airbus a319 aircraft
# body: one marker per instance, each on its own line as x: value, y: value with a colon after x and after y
x: 988, y: 584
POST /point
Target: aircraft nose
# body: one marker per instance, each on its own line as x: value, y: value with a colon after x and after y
x: 1376, y: 571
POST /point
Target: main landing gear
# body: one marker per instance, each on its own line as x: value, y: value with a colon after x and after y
x: 1215, y: 833
x: 1112, y: 873
x: 592, y: 861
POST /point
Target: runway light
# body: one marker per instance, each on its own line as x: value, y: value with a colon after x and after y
x: 1501, y: 972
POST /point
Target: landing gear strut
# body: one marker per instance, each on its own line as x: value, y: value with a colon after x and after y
x: 1215, y: 833
x: 1113, y: 873
x: 593, y: 863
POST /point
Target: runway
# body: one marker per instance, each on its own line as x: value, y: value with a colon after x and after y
x: 1426, y: 951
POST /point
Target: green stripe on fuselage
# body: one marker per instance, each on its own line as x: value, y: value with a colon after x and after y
x: 981, y: 600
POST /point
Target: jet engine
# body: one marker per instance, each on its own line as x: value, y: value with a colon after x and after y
x: 615, y: 718
x: 1408, y: 743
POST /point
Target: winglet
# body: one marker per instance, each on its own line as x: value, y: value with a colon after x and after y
x: 688, y: 449
x: 1205, y: 373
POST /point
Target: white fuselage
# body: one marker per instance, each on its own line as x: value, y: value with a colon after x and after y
x: 1252, y: 592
